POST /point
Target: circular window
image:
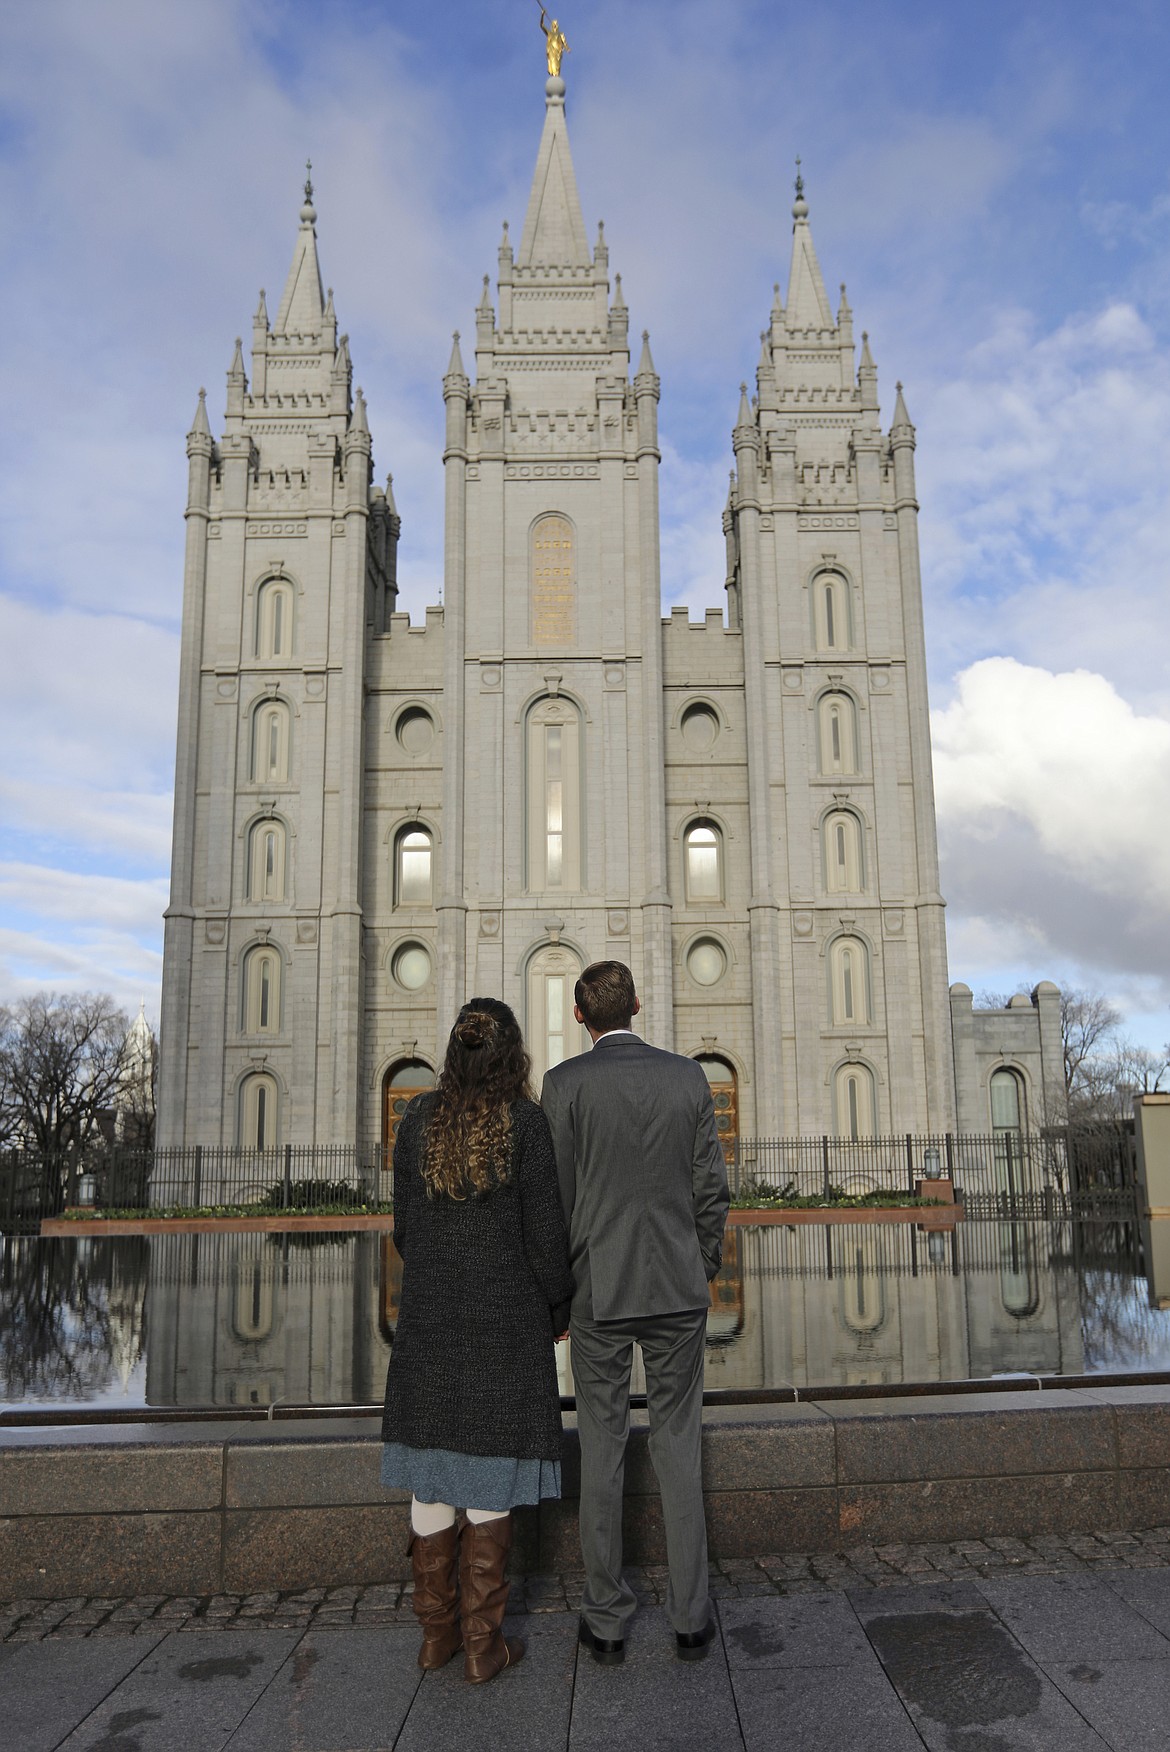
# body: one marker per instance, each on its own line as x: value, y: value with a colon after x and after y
x: 706, y: 961
x: 415, y: 730
x: 700, y: 727
x: 411, y: 966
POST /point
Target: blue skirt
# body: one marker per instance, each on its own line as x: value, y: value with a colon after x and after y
x: 468, y: 1481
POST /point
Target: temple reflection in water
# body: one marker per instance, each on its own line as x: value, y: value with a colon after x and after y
x: 247, y: 1319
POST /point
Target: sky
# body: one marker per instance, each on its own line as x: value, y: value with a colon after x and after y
x: 991, y: 182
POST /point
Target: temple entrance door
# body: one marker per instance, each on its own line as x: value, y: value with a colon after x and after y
x: 402, y: 1082
x: 725, y: 1095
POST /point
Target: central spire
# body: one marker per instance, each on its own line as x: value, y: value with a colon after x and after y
x: 303, y: 303
x: 808, y: 304
x: 554, y: 229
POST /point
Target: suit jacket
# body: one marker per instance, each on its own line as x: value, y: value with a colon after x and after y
x: 642, y: 1177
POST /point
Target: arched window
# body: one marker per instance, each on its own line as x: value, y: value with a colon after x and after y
x: 412, y: 866
x: 1007, y: 1127
x: 553, y: 741
x: 554, y: 582
x: 703, y: 863
x: 837, y: 734
x: 842, y: 853
x: 848, y: 982
x: 1007, y: 1102
x: 274, y: 623
x: 267, y: 861
x: 259, y: 1114
x: 832, y: 618
x: 270, y: 738
x: 553, y: 1033
x: 262, y: 968
x: 853, y: 1101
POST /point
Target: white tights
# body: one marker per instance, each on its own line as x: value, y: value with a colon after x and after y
x: 428, y: 1518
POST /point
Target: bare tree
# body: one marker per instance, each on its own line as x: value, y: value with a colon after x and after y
x: 61, y: 1065
x: 1088, y: 1031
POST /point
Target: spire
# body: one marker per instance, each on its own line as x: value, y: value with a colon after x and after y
x: 200, y: 426
x: 455, y: 363
x: 646, y: 363
x: 359, y: 423
x: 554, y: 230
x: 303, y: 304
x: 390, y: 505
x: 867, y: 377
x: 744, y: 416
x: 260, y: 320
x: 807, y: 303
x: 236, y: 373
x: 902, y: 420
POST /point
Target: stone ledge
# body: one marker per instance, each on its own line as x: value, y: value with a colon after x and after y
x: 203, y: 1507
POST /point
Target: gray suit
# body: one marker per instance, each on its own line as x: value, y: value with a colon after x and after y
x: 644, y: 1190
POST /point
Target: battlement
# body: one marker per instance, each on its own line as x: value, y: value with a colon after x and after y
x: 407, y: 656
x: 695, y: 653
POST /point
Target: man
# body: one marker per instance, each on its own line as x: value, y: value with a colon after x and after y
x: 644, y: 1188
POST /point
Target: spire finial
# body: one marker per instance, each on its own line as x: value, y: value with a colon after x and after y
x: 308, y: 211
x: 800, y: 205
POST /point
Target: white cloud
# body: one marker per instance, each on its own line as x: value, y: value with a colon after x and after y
x: 1046, y: 520
x: 1053, y: 828
x: 69, y: 932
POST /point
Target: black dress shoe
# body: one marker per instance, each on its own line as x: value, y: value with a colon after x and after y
x: 606, y: 1654
x: 692, y: 1645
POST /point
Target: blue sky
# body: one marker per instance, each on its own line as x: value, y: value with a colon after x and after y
x: 992, y: 183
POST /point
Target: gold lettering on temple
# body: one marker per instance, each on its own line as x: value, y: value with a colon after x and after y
x: 554, y: 582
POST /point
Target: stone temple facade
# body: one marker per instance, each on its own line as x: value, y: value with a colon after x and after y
x: 374, y: 820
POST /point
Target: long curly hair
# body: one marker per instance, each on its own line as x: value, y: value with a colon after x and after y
x: 469, y: 1134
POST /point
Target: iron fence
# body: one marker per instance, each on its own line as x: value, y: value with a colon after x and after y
x: 303, y: 1176
x: 1051, y: 1173
x: 1082, y: 1172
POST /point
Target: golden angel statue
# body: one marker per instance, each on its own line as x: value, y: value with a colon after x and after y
x: 557, y: 44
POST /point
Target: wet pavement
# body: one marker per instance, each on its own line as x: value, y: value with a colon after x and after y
x: 980, y: 1646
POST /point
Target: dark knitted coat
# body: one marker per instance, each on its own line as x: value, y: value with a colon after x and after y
x: 486, y: 1287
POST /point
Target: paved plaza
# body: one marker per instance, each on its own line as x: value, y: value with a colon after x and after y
x: 977, y: 1646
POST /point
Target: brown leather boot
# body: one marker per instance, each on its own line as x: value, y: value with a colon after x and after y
x: 434, y: 1558
x: 483, y: 1590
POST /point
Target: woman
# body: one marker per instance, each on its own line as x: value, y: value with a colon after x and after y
x: 472, y: 1407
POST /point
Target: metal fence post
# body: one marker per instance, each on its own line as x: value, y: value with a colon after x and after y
x: 198, y: 1198
x: 909, y: 1163
x: 826, y: 1182
x: 287, y: 1175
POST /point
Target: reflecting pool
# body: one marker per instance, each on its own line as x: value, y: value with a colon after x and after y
x: 237, y: 1320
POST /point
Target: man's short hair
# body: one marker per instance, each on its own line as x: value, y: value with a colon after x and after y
x: 605, y: 995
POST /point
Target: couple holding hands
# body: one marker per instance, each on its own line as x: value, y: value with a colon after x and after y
x: 599, y: 1211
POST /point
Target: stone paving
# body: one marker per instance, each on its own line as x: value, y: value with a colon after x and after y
x: 859, y: 1566
x: 980, y: 1645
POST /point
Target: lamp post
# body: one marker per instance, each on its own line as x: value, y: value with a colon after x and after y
x: 931, y: 1163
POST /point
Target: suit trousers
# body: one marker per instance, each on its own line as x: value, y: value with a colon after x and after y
x: 602, y: 1358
